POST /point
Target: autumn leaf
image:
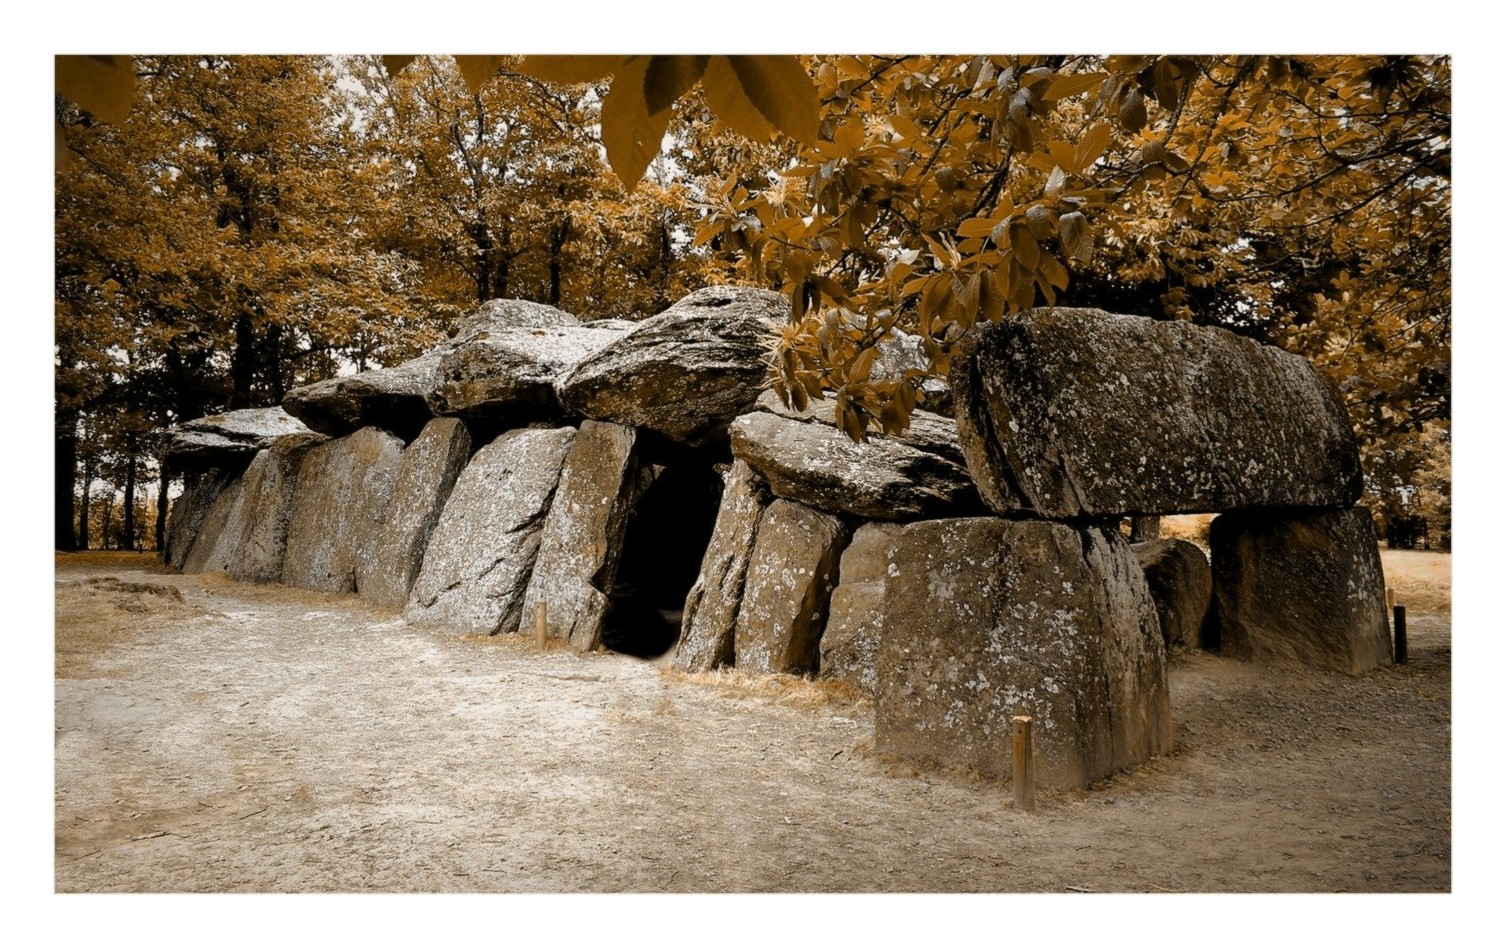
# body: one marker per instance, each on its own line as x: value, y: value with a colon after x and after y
x: 395, y: 64
x: 103, y: 86
x: 669, y: 77
x: 782, y: 91
x: 478, y: 70
x: 724, y: 93
x: 632, y: 135
x: 571, y: 70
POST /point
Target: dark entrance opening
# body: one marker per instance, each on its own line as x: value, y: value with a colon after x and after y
x: 666, y: 539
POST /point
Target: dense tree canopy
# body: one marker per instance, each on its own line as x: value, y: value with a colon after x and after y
x: 242, y: 224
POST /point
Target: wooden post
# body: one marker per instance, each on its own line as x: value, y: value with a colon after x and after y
x: 1024, y: 764
x: 1390, y: 598
x: 1399, y: 619
x: 541, y: 624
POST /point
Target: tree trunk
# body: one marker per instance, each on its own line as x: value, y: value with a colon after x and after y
x: 65, y: 478
x: 104, y: 530
x: 556, y: 244
x: 161, y: 533
x: 242, y: 363
x: 1144, y: 528
x: 83, y: 507
x: 128, y: 513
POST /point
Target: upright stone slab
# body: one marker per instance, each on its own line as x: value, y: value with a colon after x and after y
x: 984, y: 619
x: 344, y: 487
x: 1068, y: 413
x: 791, y: 572
x: 200, y: 490
x: 481, y: 553
x: 710, y: 619
x: 1181, y: 585
x: 220, y: 533
x: 915, y: 475
x: 685, y: 373
x: 582, y: 539
x: 1300, y: 587
x: 387, y: 566
x: 849, y: 645
x: 269, y: 485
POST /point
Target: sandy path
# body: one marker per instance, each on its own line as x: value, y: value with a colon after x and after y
x: 262, y: 739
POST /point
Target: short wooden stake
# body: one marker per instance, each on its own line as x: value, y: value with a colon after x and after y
x: 1399, y: 619
x: 1024, y: 764
x: 541, y: 624
x: 1390, y: 598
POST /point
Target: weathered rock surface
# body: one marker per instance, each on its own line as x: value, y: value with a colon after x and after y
x: 393, y: 398
x: 228, y: 440
x: 805, y: 457
x: 387, y: 566
x: 481, y: 553
x: 849, y: 645
x: 269, y: 485
x: 985, y: 619
x: 495, y: 315
x: 710, y: 620
x: 685, y: 373
x: 343, y: 489
x: 1181, y: 584
x: 1078, y: 413
x: 583, y: 534
x: 791, y: 572
x: 200, y: 490
x: 511, y: 372
x: 1300, y: 587
x: 220, y: 533
x: 901, y: 351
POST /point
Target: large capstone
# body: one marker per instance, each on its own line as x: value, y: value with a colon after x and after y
x: 481, y: 553
x: 791, y: 572
x: 1300, y: 587
x: 393, y: 398
x: 1181, y: 585
x: 685, y: 373
x: 228, y: 440
x: 344, y: 487
x: 269, y: 485
x: 200, y: 490
x: 849, y: 645
x: 576, y: 566
x: 511, y: 372
x: 710, y: 617
x: 387, y: 566
x: 220, y: 533
x: 985, y: 619
x: 1067, y: 413
x: 805, y: 457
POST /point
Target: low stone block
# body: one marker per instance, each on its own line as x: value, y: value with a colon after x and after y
x: 849, y: 644
x: 791, y: 572
x: 1305, y: 588
x: 984, y: 619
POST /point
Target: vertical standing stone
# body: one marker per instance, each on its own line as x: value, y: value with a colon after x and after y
x: 387, y: 566
x: 1300, y: 587
x: 344, y: 487
x: 200, y: 489
x: 481, y: 553
x: 985, y: 619
x: 269, y: 485
x: 710, y: 619
x: 849, y: 646
x: 791, y: 572
x: 219, y: 534
x: 582, y: 539
x: 1181, y: 585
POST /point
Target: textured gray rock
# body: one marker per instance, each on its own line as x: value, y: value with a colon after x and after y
x: 791, y: 572
x: 849, y: 645
x: 387, y: 566
x: 200, y: 490
x: 900, y: 352
x: 1300, y: 587
x: 481, y: 553
x: 583, y: 534
x: 220, y: 533
x: 805, y: 457
x: 269, y: 485
x: 985, y: 619
x: 229, y: 440
x: 710, y: 620
x: 494, y: 315
x: 685, y: 373
x: 1078, y: 413
x: 343, y: 489
x: 1181, y: 584
x: 393, y: 398
x: 511, y: 372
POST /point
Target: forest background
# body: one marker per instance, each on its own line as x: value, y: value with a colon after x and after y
x: 1272, y: 29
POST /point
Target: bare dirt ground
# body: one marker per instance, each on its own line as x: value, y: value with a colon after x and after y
x: 219, y: 737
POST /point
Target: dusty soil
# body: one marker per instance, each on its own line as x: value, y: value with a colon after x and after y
x: 219, y: 737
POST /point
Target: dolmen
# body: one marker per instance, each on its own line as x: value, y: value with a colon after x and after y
x: 631, y: 485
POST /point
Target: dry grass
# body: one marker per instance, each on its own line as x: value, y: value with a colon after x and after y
x: 786, y: 691
x: 1421, y: 579
x: 100, y: 612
